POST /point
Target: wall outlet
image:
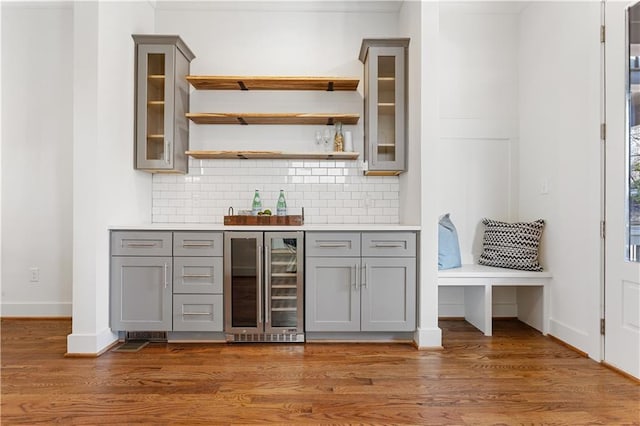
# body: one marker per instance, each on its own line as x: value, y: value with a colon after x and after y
x: 34, y: 274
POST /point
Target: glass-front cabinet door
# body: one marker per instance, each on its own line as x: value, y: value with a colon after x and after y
x: 162, y: 100
x: 385, y: 104
x: 284, y: 277
x: 243, y: 282
x: 154, y: 112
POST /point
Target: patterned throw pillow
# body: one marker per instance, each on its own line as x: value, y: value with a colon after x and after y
x: 511, y: 245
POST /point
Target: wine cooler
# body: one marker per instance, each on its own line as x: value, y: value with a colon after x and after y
x: 263, y: 286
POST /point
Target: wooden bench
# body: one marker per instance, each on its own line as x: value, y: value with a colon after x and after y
x: 532, y: 294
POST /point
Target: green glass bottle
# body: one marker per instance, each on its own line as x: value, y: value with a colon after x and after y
x: 281, y: 206
x: 256, y: 205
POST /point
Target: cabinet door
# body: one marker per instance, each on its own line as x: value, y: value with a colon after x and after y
x: 388, y: 294
x: 332, y: 294
x: 197, y: 312
x: 154, y: 106
x: 141, y: 293
x: 197, y: 275
x: 284, y: 278
x: 243, y: 282
x: 140, y: 243
x: 197, y: 243
x: 385, y: 109
x: 333, y: 244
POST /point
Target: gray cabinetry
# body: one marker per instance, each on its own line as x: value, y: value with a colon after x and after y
x: 349, y: 292
x: 388, y: 293
x: 333, y: 300
x: 197, y: 281
x: 162, y: 101
x: 385, y: 99
x: 141, y: 287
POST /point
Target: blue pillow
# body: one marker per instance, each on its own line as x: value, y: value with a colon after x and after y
x: 448, y: 246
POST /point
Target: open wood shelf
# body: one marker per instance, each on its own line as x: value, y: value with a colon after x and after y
x: 275, y: 155
x: 382, y: 173
x: 271, y: 118
x: 226, y: 82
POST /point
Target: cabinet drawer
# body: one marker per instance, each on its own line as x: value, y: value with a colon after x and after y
x: 197, y: 312
x: 197, y: 275
x: 141, y: 243
x: 197, y: 244
x: 389, y: 244
x: 333, y: 244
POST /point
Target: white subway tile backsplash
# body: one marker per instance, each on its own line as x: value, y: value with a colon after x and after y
x: 330, y: 191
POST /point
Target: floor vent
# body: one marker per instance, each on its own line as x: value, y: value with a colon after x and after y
x: 131, y: 346
x: 266, y: 338
x: 150, y: 336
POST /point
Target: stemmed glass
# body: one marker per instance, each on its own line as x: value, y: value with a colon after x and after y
x: 319, y: 137
x: 327, y: 139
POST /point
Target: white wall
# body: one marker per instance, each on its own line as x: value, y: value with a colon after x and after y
x: 428, y: 333
x: 236, y: 39
x: 410, y: 25
x: 106, y: 189
x: 559, y: 133
x: 478, y: 140
x: 36, y: 166
x: 253, y: 39
x: 330, y: 191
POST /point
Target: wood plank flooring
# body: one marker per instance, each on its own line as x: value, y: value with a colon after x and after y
x: 515, y: 377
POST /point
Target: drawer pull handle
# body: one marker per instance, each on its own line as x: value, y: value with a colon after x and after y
x: 205, y: 244
x: 388, y: 245
x: 332, y: 245
x: 196, y: 276
x: 196, y: 313
x: 141, y: 244
x: 166, y: 282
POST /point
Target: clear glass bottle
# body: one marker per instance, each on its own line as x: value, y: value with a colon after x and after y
x: 281, y: 206
x: 256, y: 205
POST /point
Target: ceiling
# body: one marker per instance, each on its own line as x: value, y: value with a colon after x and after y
x: 384, y: 6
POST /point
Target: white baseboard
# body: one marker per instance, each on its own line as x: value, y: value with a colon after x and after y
x: 572, y: 336
x: 428, y: 338
x: 90, y: 344
x: 34, y: 310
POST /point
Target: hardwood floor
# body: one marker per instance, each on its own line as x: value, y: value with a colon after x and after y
x: 515, y: 377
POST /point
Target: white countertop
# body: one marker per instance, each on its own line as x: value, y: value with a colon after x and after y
x: 221, y: 227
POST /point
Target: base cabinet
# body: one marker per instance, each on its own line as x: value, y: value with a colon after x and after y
x: 197, y: 281
x: 353, y: 293
x: 388, y: 291
x: 141, y: 294
x: 333, y: 300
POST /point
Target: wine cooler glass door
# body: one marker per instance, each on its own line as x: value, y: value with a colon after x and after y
x: 243, y: 282
x: 284, y: 277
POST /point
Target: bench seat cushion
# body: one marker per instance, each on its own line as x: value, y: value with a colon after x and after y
x: 511, y: 245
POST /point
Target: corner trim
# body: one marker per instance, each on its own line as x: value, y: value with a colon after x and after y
x: 79, y: 345
x: 428, y: 338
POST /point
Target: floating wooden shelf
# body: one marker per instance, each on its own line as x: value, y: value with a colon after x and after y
x: 271, y: 118
x: 382, y: 173
x: 279, y: 155
x: 234, y: 82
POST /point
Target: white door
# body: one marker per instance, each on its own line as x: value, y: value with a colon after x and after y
x: 622, y: 277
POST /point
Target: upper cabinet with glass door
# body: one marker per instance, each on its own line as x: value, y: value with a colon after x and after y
x: 385, y: 97
x: 162, y: 100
